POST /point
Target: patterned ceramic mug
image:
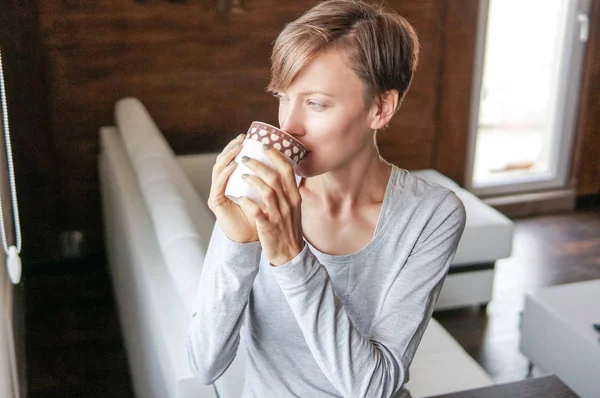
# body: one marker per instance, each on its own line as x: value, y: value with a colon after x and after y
x: 258, y: 134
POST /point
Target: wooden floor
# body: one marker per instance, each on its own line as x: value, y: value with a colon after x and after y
x: 73, y: 341
x: 74, y: 347
x: 547, y: 250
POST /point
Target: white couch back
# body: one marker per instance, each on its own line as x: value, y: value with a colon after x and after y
x: 183, y: 225
x: 153, y: 316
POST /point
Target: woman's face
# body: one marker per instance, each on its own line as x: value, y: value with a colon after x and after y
x: 324, y: 109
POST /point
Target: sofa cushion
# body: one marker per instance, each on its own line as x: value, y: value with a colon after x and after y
x: 440, y: 355
x: 182, y: 221
x: 488, y: 233
x: 190, y: 164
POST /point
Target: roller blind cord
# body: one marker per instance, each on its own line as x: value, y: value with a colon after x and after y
x: 13, y: 262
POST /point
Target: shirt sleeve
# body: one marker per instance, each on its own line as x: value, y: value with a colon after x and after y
x: 375, y: 365
x: 227, y: 277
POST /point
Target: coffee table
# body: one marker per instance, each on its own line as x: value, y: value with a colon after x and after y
x: 546, y: 387
x: 557, y: 334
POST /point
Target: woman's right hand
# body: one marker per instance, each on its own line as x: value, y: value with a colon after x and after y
x: 235, y: 223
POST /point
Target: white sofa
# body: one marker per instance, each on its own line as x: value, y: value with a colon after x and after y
x: 157, y: 227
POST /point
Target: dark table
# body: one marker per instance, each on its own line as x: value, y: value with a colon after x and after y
x: 546, y: 387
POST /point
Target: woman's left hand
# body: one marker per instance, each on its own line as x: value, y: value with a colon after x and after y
x: 278, y: 216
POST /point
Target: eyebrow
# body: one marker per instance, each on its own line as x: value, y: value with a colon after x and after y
x: 305, y: 94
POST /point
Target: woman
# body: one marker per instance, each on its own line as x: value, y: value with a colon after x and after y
x: 336, y: 279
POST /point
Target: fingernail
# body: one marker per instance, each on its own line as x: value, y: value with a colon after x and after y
x: 244, y: 175
x: 245, y: 159
x: 241, y: 136
x: 266, y: 146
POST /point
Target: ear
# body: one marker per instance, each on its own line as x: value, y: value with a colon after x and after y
x: 384, y: 109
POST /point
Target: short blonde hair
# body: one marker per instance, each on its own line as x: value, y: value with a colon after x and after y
x: 382, y: 46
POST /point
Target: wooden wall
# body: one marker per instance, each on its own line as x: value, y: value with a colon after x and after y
x: 201, y: 74
x: 36, y: 162
x: 34, y: 168
x: 587, y: 153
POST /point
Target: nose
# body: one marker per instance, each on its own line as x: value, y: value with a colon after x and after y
x: 291, y: 120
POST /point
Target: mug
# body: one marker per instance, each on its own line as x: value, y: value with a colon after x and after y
x: 258, y: 134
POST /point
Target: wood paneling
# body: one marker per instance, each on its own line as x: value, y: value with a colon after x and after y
x: 587, y: 152
x: 202, y: 75
x: 408, y: 142
x: 34, y: 164
x: 35, y: 160
x: 455, y: 83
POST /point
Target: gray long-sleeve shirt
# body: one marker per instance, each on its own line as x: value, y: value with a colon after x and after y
x: 324, y: 325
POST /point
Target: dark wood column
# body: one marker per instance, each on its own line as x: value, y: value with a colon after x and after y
x: 586, y: 169
x: 36, y: 165
x: 459, y: 38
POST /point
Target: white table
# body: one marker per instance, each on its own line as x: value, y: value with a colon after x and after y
x: 557, y: 334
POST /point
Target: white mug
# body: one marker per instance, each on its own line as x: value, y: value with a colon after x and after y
x: 237, y: 187
x: 258, y: 134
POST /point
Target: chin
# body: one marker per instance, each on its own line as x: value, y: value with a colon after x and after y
x: 301, y: 172
x: 307, y: 168
x: 303, y: 169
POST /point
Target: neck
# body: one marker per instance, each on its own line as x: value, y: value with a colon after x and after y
x: 361, y: 181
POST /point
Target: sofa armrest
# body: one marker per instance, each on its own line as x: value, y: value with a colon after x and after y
x: 153, y: 317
